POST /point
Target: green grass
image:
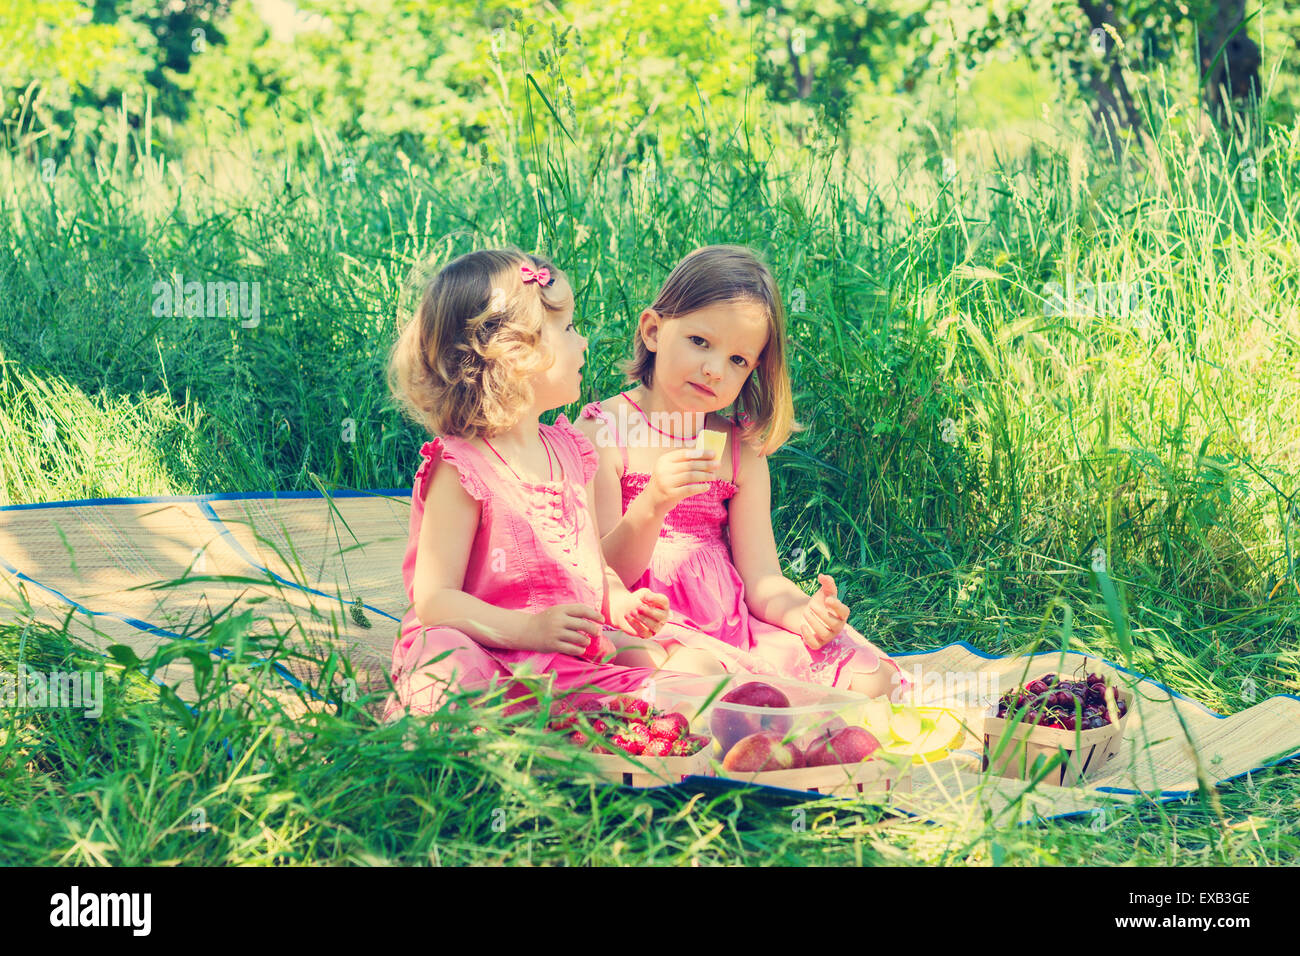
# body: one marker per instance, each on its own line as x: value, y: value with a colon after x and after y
x: 1172, y: 447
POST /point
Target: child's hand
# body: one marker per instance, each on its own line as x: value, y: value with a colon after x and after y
x: 680, y: 474
x: 640, y: 613
x: 825, y: 615
x: 567, y: 629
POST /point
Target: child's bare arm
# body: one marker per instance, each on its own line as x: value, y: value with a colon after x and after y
x: 451, y: 517
x: 769, y: 594
x: 619, y: 606
x: 627, y: 540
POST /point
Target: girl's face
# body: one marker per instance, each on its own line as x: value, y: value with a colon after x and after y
x: 703, y: 358
x: 560, y: 384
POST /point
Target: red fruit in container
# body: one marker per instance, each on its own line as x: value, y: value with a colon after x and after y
x: 1095, y: 679
x: 669, y: 726
x: 1036, y: 687
x: 850, y: 745
x: 691, y: 744
x: 632, y: 738
x: 599, y: 726
x: 632, y: 706
x: 756, y: 694
x: 730, y: 725
x: 564, y: 714
x: 1067, y: 721
x: 659, y: 747
x: 762, y: 751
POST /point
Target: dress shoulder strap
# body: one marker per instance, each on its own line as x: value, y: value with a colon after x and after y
x: 597, y: 411
x: 735, y: 455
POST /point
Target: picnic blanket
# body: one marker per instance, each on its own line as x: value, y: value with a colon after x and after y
x: 323, y: 573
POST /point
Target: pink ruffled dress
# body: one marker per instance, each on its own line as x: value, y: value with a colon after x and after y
x: 692, y: 565
x: 535, y: 547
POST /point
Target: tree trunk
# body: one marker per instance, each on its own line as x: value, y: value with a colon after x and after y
x: 1113, y: 105
x: 1229, y: 63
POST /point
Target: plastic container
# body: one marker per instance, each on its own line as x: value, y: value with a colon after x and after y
x: 813, y: 708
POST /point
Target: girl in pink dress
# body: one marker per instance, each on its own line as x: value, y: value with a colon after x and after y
x: 503, y: 567
x: 715, y: 336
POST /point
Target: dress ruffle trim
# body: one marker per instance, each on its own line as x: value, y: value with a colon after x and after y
x: 469, y: 480
x: 582, y: 445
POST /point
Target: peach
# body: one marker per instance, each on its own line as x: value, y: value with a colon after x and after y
x: 733, y: 719
x: 756, y: 694
x: 763, y: 751
x: 850, y: 745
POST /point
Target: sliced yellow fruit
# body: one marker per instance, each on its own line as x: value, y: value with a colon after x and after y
x: 709, y: 440
x: 905, y: 724
x: 876, y: 715
x: 939, y: 732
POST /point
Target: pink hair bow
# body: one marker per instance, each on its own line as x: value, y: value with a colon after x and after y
x: 541, y: 276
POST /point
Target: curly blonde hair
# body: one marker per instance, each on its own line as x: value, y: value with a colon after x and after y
x: 464, y: 355
x: 714, y: 274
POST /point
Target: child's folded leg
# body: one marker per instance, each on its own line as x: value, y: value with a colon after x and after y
x: 421, y: 681
x: 668, y: 655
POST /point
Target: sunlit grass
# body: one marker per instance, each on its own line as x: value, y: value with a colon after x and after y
x: 974, y: 450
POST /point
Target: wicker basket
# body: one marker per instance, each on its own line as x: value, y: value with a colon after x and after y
x: 1088, y: 750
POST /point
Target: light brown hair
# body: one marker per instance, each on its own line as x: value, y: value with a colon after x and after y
x: 464, y: 355
x: 713, y: 274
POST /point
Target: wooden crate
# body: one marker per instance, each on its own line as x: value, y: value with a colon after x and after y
x: 1026, y: 743
x: 875, y: 776
x: 630, y: 771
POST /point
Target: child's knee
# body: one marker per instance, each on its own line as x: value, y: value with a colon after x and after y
x: 647, y: 654
x: 887, y: 680
x: 687, y: 660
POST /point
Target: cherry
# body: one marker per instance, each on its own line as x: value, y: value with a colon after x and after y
x: 1036, y: 687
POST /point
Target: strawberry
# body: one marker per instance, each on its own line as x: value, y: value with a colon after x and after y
x: 578, y: 738
x: 669, y: 726
x: 658, y: 747
x: 599, y: 726
x: 632, y: 738
x: 632, y: 706
x: 563, y: 715
x: 519, y: 707
x: 689, y: 745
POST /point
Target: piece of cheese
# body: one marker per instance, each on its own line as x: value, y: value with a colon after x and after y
x: 709, y: 440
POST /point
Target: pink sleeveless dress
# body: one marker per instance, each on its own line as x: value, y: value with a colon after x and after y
x: 692, y: 565
x: 535, y: 547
